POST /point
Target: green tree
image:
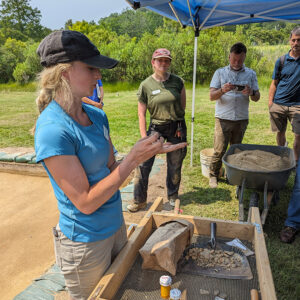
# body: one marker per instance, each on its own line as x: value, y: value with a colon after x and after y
x: 2, y: 37
x: 19, y: 20
x: 131, y: 22
x: 83, y: 27
x: 121, y: 49
x: 27, y: 70
x: 171, y: 26
x: 11, y: 53
x: 7, y: 65
x: 15, y: 47
x: 101, y: 37
x: 260, y: 35
x: 68, y: 24
x: 7, y: 32
x: 270, y: 33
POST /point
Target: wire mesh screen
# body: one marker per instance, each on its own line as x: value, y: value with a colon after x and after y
x: 144, y: 284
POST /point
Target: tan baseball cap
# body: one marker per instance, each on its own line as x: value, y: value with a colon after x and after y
x: 161, y: 52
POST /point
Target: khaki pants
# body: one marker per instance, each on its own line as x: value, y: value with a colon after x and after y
x: 280, y: 114
x: 226, y: 132
x: 83, y: 264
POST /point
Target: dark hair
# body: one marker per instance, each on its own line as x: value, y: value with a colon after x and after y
x: 295, y: 31
x: 238, y: 48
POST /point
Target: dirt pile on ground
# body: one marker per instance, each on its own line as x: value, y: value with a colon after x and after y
x: 257, y: 160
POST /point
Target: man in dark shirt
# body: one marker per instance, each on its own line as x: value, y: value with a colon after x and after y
x: 284, y: 94
x: 284, y: 104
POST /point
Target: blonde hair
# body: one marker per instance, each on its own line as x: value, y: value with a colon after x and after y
x: 52, y: 82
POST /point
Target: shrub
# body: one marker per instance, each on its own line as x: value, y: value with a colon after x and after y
x: 27, y: 70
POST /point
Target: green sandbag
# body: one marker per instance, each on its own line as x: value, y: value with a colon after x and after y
x: 33, y: 160
x: 34, y: 292
x: 8, y: 157
x: 2, y: 154
x: 25, y: 158
x: 44, y: 287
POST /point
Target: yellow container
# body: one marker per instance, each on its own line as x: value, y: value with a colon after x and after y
x: 165, y: 286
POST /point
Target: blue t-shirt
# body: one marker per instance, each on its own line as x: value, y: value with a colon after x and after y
x: 58, y: 134
x: 288, y: 88
x: 95, y: 96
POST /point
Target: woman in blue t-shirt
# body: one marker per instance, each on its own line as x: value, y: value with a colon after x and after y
x: 73, y: 143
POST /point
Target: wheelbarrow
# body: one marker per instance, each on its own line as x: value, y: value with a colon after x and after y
x: 268, y: 182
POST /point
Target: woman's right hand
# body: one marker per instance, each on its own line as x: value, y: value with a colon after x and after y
x: 149, y: 146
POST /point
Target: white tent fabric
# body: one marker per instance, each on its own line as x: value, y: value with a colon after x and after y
x: 202, y: 14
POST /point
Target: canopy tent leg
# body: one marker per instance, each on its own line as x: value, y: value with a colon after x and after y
x: 194, y: 90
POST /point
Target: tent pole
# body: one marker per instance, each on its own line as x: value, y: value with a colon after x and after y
x: 194, y: 89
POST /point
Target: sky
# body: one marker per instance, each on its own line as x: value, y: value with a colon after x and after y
x: 56, y: 12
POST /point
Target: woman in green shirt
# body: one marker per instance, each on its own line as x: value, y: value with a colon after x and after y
x: 163, y: 95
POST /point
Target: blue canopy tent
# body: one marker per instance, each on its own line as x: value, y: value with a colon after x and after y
x: 202, y: 14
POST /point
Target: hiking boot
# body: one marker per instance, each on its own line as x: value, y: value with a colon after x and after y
x: 288, y: 234
x: 213, y: 182
x: 134, y: 207
x: 172, y: 201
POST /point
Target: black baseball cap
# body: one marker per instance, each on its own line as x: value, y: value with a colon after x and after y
x: 65, y: 46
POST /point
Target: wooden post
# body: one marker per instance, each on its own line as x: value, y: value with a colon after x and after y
x: 228, y: 229
x: 265, y: 277
x: 177, y: 206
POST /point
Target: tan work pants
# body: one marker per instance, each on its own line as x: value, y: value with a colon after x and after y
x: 83, y: 264
x: 226, y: 132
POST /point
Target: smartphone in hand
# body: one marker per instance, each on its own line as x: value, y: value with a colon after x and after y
x: 239, y: 88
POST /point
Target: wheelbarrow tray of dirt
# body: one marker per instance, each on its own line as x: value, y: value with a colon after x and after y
x: 257, y: 179
x: 125, y: 279
x: 270, y: 182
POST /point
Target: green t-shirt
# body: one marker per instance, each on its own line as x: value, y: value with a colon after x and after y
x: 163, y: 99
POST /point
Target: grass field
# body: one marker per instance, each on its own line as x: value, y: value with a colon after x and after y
x: 18, y: 113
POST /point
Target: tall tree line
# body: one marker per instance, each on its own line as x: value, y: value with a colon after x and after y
x: 131, y: 37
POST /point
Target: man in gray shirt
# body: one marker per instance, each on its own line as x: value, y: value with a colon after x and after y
x: 231, y: 87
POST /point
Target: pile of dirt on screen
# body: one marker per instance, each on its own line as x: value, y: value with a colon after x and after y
x: 257, y: 160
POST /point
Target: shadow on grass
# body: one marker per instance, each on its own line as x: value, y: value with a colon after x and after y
x: 205, y: 196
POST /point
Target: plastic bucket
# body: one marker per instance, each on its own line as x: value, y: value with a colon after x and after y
x: 205, y: 159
